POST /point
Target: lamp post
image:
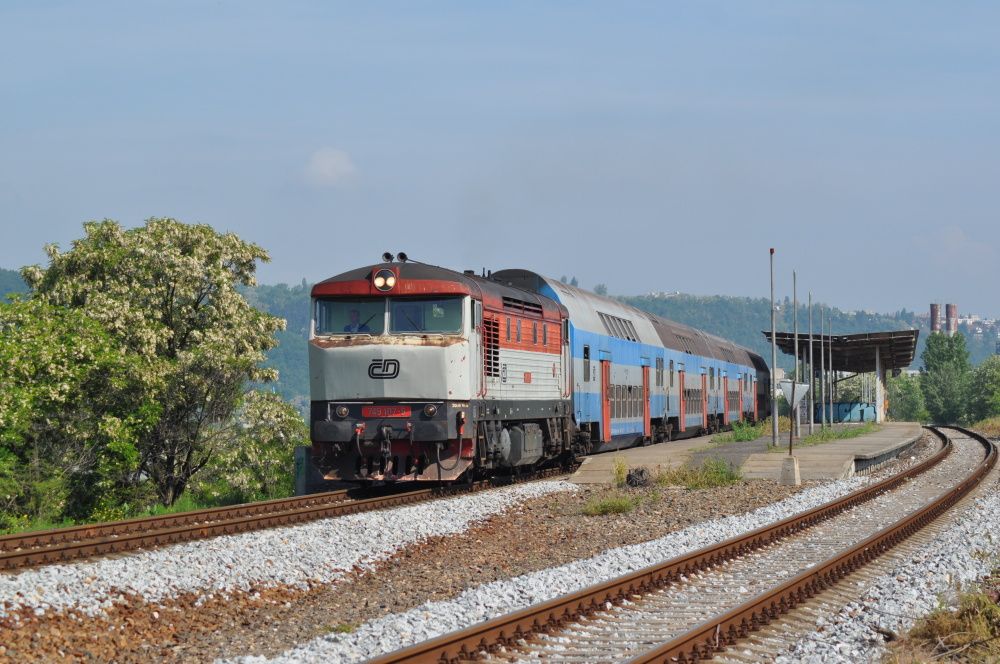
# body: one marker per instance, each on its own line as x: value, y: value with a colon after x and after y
x: 795, y: 328
x: 822, y: 372
x: 774, y: 364
x: 812, y: 368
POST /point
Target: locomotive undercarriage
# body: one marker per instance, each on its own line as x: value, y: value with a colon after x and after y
x: 458, y: 441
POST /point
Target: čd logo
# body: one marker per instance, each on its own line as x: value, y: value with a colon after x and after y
x: 383, y: 369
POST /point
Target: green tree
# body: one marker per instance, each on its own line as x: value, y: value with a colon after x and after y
x: 945, y: 379
x: 601, y: 289
x: 167, y: 292
x: 984, y: 390
x: 906, y: 400
x: 255, y: 455
x: 72, y: 414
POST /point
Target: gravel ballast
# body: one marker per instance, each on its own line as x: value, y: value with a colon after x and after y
x: 500, y: 597
x: 964, y: 552
x: 320, y: 552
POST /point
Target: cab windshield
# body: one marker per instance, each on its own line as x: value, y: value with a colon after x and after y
x: 367, y: 315
x: 439, y: 315
x: 360, y: 315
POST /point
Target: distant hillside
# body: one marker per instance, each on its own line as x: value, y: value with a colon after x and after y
x: 743, y: 319
x: 740, y: 319
x: 11, y: 282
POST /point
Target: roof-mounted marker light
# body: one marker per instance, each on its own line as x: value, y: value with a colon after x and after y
x: 402, y: 257
x: 387, y: 257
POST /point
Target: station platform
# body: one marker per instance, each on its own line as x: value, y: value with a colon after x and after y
x: 597, y: 469
x: 838, y: 459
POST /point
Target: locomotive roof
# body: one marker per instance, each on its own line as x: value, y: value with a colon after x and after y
x: 424, y: 279
x: 674, y: 335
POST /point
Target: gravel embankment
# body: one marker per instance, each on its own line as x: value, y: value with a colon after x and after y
x: 497, y: 598
x: 964, y: 552
x: 300, y: 556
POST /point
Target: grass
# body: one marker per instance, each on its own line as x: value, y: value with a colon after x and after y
x: 969, y: 631
x: 990, y: 427
x: 619, y: 471
x: 618, y: 503
x: 713, y: 472
x: 828, y: 435
x: 344, y: 628
x: 744, y: 431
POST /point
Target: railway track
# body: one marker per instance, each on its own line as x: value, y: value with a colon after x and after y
x: 694, y: 606
x: 65, y: 544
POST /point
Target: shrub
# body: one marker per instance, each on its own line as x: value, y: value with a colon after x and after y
x: 713, y: 472
x: 969, y: 632
x: 618, y: 503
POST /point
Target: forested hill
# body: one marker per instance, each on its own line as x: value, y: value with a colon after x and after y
x: 10, y: 282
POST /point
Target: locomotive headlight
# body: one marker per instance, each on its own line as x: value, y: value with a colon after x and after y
x: 430, y: 410
x: 342, y: 411
x: 384, y: 280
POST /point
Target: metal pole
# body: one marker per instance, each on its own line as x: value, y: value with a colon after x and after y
x: 798, y: 377
x: 812, y: 369
x: 774, y: 363
x: 822, y: 372
x: 833, y: 374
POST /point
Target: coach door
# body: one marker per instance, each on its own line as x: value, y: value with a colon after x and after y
x: 682, y: 420
x: 606, y: 400
x: 704, y: 399
x: 645, y: 401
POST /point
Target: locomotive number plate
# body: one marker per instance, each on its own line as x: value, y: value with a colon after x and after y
x: 385, y: 411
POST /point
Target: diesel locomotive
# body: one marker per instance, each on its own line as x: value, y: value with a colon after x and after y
x: 423, y: 374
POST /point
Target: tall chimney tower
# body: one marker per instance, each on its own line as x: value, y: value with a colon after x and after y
x: 951, y: 316
x: 935, y: 317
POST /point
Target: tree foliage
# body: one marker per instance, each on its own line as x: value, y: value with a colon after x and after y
x: 945, y: 379
x: 72, y: 414
x: 255, y: 455
x: 984, y: 390
x: 906, y: 400
x: 168, y: 295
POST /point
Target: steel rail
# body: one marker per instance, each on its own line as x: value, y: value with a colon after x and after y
x: 508, y: 629
x: 53, y: 546
x: 40, y: 538
x: 725, y: 630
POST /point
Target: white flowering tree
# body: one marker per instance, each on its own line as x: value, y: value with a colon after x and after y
x: 71, y: 414
x: 167, y: 293
x: 255, y: 455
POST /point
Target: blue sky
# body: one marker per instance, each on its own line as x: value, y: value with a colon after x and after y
x: 648, y: 146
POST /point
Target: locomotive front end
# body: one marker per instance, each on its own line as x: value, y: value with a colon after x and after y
x: 391, y: 375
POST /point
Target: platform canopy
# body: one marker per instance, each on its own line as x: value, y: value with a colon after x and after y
x: 856, y: 352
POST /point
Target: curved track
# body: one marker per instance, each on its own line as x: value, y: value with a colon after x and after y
x: 64, y: 544
x: 687, y: 608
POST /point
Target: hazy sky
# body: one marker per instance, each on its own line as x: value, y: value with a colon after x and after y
x: 649, y: 146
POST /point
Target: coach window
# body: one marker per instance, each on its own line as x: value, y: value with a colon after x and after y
x: 508, y: 328
x: 545, y: 334
x: 711, y: 378
x: 586, y: 364
x: 534, y: 333
x: 671, y: 373
x: 518, y: 330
